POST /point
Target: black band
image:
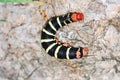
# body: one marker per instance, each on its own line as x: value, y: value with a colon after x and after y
x: 81, y: 51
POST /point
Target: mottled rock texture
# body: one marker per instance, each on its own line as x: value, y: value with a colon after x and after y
x: 23, y: 58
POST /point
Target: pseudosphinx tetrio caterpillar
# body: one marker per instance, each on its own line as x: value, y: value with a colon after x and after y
x: 53, y: 46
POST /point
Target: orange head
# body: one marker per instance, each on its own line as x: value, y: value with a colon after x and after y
x: 77, y: 16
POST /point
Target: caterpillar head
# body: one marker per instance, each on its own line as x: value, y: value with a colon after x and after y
x: 77, y: 17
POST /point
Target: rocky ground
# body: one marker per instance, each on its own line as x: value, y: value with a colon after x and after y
x: 23, y: 58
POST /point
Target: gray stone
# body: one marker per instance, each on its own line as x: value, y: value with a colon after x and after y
x: 23, y: 58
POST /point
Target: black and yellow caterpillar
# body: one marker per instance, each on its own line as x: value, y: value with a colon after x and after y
x: 49, y: 43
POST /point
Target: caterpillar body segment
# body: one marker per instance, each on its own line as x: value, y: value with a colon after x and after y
x: 52, y: 45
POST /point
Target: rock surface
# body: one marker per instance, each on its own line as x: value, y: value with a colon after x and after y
x: 23, y: 58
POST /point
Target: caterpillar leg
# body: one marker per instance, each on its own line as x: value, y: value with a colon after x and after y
x: 58, y: 42
x: 66, y: 44
x: 84, y: 53
x: 56, y: 39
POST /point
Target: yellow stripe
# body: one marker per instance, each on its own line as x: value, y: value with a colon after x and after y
x: 48, y: 32
x: 70, y: 21
x: 50, y: 47
x: 56, y: 51
x: 78, y: 49
x: 63, y: 16
x: 67, y: 53
x: 51, y: 25
x: 68, y: 15
x: 47, y: 40
x: 69, y: 18
x: 58, y: 20
x: 65, y: 23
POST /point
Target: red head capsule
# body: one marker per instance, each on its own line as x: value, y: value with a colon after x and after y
x: 77, y: 16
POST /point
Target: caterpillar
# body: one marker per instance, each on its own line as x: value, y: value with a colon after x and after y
x: 53, y: 46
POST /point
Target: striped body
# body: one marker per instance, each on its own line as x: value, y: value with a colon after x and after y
x: 48, y: 38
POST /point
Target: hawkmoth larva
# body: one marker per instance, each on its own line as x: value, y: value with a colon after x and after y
x: 54, y: 47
